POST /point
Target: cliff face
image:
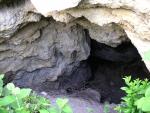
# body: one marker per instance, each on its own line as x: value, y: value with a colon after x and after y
x: 36, y: 47
x: 132, y: 15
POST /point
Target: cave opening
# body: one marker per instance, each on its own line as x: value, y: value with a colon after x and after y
x: 102, y: 72
x: 109, y: 65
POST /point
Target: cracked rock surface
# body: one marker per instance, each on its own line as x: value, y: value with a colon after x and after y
x: 47, y: 45
x: 132, y: 15
x: 36, y: 48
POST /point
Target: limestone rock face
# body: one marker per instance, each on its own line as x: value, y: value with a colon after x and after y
x: 132, y: 15
x: 43, y: 51
x: 14, y: 17
x: 52, y: 5
x: 38, y: 49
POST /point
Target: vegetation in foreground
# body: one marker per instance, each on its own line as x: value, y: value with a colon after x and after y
x: 16, y: 100
x: 137, y: 99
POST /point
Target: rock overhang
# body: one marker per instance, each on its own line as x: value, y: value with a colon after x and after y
x: 132, y: 15
x: 38, y: 47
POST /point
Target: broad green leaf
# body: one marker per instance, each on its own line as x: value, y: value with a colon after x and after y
x: 24, y: 93
x: 22, y: 111
x: 90, y: 110
x: 43, y: 111
x: 106, y: 107
x: 129, y: 91
x: 140, y: 103
x: 53, y: 110
x: 15, y: 104
x: 61, y: 102
x: 44, y: 101
x: 1, y: 76
x: 2, y: 110
x: 67, y: 109
x: 6, y: 92
x: 6, y: 100
x: 16, y: 91
x: 10, y: 86
x: 1, y: 87
x: 146, y: 105
x: 1, y: 83
x: 147, y: 93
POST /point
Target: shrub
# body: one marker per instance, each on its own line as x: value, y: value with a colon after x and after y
x: 16, y: 100
x: 137, y: 99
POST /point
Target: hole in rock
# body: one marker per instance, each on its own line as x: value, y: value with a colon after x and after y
x: 103, y: 71
x: 109, y: 65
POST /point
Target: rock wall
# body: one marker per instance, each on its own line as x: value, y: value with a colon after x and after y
x: 43, y: 51
x: 132, y: 15
x: 36, y: 49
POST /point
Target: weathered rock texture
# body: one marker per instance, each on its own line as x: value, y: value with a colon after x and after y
x: 82, y: 102
x: 43, y: 51
x: 132, y: 15
x: 38, y: 49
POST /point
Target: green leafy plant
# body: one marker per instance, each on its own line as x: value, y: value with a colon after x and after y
x: 62, y: 106
x: 137, y: 91
x: 90, y: 110
x: 106, y: 107
x: 143, y: 103
x: 16, y: 100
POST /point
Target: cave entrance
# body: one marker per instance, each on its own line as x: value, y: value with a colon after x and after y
x: 103, y: 70
x: 109, y: 65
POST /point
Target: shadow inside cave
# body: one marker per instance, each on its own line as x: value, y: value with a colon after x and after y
x: 109, y: 65
x: 103, y: 71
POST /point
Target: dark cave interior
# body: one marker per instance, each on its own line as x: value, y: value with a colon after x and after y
x: 103, y: 71
x: 109, y: 65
